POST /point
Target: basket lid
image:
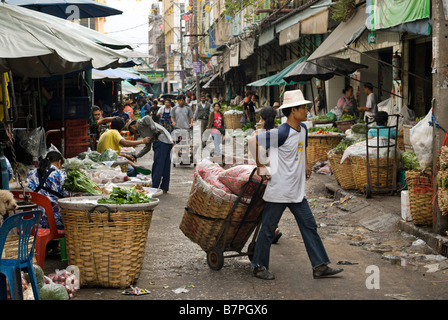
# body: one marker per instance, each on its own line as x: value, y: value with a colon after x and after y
x: 89, y: 202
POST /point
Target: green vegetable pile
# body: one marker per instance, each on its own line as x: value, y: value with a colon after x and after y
x: 359, y: 128
x: 321, y: 118
x: 344, y: 144
x: 346, y: 117
x: 121, y: 195
x: 77, y: 181
x: 409, y: 161
x: 326, y: 129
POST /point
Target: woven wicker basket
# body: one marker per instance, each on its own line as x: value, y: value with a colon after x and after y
x: 11, y: 248
x: 108, y: 252
x: 420, y: 197
x: 345, y: 125
x: 382, y: 173
x: 233, y: 120
x: 342, y: 171
x: 442, y: 193
x: 319, y: 146
x: 206, y: 213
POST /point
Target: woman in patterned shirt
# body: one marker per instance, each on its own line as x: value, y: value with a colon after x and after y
x: 48, y: 179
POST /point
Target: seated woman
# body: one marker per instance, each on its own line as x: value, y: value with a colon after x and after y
x: 381, y: 121
x: 48, y: 179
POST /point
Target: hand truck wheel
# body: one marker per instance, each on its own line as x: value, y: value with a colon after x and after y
x: 367, y: 191
x: 215, y: 258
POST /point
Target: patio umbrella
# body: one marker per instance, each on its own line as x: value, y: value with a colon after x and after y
x: 33, y: 47
x: 68, y: 8
x: 323, y: 68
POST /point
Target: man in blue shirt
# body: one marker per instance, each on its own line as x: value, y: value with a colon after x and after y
x: 381, y: 121
x: 120, y: 113
x: 286, y: 187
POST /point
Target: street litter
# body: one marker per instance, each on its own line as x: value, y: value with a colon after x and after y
x: 346, y: 263
x: 135, y: 291
x: 181, y: 290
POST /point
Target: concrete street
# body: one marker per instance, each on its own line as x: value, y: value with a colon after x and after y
x: 380, y: 262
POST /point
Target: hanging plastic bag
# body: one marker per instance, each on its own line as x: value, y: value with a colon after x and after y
x: 421, y: 137
x: 35, y: 143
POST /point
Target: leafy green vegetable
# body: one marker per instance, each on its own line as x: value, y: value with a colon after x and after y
x: 359, y: 128
x: 326, y: 129
x: 108, y: 155
x: 409, y: 161
x: 121, y: 195
x: 346, y: 117
x: 321, y: 118
x: 77, y: 181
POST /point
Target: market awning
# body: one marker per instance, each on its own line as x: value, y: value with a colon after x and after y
x: 35, y: 47
x: 113, y: 74
x: 277, y: 79
x: 344, y: 34
x: 127, y: 88
x: 319, y: 7
x: 207, y: 85
x: 323, y: 68
x: 64, y: 8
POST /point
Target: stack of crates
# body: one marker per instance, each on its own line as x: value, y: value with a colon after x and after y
x: 76, y: 137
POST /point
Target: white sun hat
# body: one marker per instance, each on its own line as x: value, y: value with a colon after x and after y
x: 293, y: 98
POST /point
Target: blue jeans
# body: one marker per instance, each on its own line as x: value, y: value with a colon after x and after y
x: 217, y: 139
x: 308, y: 228
x: 161, y: 167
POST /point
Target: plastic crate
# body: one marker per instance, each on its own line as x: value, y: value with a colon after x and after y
x: 77, y: 132
x: 72, y: 150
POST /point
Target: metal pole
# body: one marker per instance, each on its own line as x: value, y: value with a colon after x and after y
x: 63, y: 116
x: 182, y: 73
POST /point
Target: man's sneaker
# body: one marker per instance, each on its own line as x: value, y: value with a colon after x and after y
x: 263, y: 273
x: 325, y: 271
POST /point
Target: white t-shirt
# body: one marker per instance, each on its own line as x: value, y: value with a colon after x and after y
x: 287, y: 149
x: 372, y: 104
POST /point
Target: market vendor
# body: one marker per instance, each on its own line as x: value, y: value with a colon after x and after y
x: 48, y: 179
x: 162, y: 145
x: 381, y: 121
x: 347, y: 103
x: 96, y: 124
x: 371, y: 107
x: 286, y: 187
x: 112, y: 139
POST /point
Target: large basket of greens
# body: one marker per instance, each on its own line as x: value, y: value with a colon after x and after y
x: 320, y: 142
x: 106, y: 236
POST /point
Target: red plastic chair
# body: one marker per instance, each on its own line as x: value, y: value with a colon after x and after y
x: 44, y: 235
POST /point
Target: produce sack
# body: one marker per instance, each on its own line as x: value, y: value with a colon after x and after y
x: 52, y: 291
x: 236, y: 177
x: 421, y: 136
x: 360, y: 149
x: 210, y: 171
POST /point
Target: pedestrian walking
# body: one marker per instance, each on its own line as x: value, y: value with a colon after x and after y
x: 286, y: 187
x: 202, y: 113
x: 164, y: 114
x: 217, y: 126
x: 162, y: 144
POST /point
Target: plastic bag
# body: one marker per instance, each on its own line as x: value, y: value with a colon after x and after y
x: 334, y: 113
x: 108, y: 155
x: 407, y: 114
x: 35, y: 143
x: 53, y: 291
x: 421, y: 136
x: 69, y: 278
x: 235, y: 178
x: 210, y: 171
x: 360, y: 149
